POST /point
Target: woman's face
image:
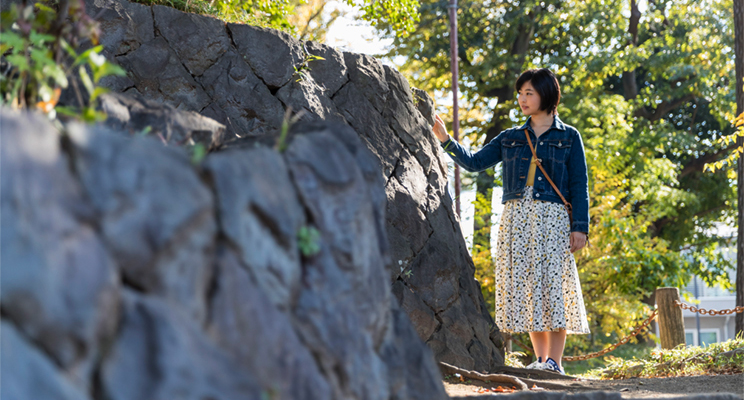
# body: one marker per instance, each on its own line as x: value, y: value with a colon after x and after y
x: 529, y: 100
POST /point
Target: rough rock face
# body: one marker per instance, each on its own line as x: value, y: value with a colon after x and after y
x: 245, y: 77
x: 129, y: 273
x: 134, y: 114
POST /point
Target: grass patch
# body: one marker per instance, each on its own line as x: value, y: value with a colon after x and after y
x: 191, y: 6
x: 219, y: 10
x: 680, y: 361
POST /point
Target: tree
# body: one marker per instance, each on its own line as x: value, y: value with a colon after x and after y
x: 311, y: 19
x: 739, y: 51
x: 649, y: 89
x: 399, y: 16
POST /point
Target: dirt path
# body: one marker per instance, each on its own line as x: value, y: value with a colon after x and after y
x: 636, y: 388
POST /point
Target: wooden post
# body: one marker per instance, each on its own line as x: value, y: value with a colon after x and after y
x: 671, y: 323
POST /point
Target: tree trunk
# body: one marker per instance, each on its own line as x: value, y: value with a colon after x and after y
x: 630, y: 88
x: 739, y: 51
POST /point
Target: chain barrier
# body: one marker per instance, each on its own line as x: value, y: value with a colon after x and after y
x: 522, y: 345
x: 636, y: 331
x: 694, y: 309
x: 624, y: 340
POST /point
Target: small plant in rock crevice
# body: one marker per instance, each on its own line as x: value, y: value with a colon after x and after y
x: 287, y: 122
x: 304, y: 69
x: 308, y: 240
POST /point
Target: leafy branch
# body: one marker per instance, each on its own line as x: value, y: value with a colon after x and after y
x: 41, y: 59
x: 729, y: 140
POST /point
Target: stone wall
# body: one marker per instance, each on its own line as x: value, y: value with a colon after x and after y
x: 246, y: 77
x: 131, y: 273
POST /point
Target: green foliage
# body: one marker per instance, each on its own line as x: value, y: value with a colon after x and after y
x: 646, y: 138
x: 626, y: 352
x: 399, y: 15
x: 304, y: 68
x: 308, y: 238
x: 514, y: 359
x: 263, y: 13
x: 680, y: 361
x: 727, y: 141
x: 198, y: 152
x: 287, y: 122
x: 37, y: 47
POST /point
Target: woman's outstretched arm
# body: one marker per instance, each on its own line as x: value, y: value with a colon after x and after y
x: 485, y: 158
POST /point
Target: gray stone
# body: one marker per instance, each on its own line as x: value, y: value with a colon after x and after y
x: 260, y: 213
x: 272, y: 54
x: 28, y: 374
x: 402, y: 350
x: 401, y: 251
x: 334, y: 326
x: 59, y: 285
x: 407, y: 122
x: 126, y: 26
x: 246, y: 324
x: 368, y: 122
x: 135, y: 114
x: 197, y: 51
x: 368, y: 75
x: 156, y: 216
x: 423, y: 319
x: 306, y: 95
x: 247, y: 88
x: 163, y: 354
x: 434, y: 276
x: 405, y: 215
x: 458, y: 335
x: 345, y: 285
x: 424, y: 104
x: 243, y: 103
x: 331, y: 72
x: 158, y: 74
x: 409, y: 174
x: 334, y: 191
x: 427, y: 244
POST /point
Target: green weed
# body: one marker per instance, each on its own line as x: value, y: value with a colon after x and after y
x: 680, y: 361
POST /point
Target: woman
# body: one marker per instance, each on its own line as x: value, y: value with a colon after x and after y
x: 537, y: 284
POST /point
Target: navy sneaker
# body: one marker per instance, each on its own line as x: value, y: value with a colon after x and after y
x: 539, y: 364
x: 535, y: 364
x: 554, y: 366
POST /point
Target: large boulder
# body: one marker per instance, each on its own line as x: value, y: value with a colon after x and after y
x: 251, y: 81
x: 130, y: 272
x: 136, y: 115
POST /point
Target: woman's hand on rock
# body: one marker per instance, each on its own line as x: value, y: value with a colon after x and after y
x: 578, y: 241
x: 439, y: 130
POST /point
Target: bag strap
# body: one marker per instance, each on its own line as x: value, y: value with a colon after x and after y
x: 539, y: 164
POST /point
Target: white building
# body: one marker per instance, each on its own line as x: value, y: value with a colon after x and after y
x: 705, y: 329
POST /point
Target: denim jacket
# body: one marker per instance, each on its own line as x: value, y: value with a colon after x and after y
x: 562, y: 153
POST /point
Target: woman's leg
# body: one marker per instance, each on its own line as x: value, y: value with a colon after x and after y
x: 557, y: 342
x: 541, y: 344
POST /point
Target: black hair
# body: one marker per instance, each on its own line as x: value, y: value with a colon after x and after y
x: 546, y: 85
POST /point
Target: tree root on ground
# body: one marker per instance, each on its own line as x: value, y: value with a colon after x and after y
x: 519, y: 383
x: 498, y: 378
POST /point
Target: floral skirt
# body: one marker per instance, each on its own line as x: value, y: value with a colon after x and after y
x: 537, y: 284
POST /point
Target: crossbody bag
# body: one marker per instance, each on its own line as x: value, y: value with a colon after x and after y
x: 566, y: 204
